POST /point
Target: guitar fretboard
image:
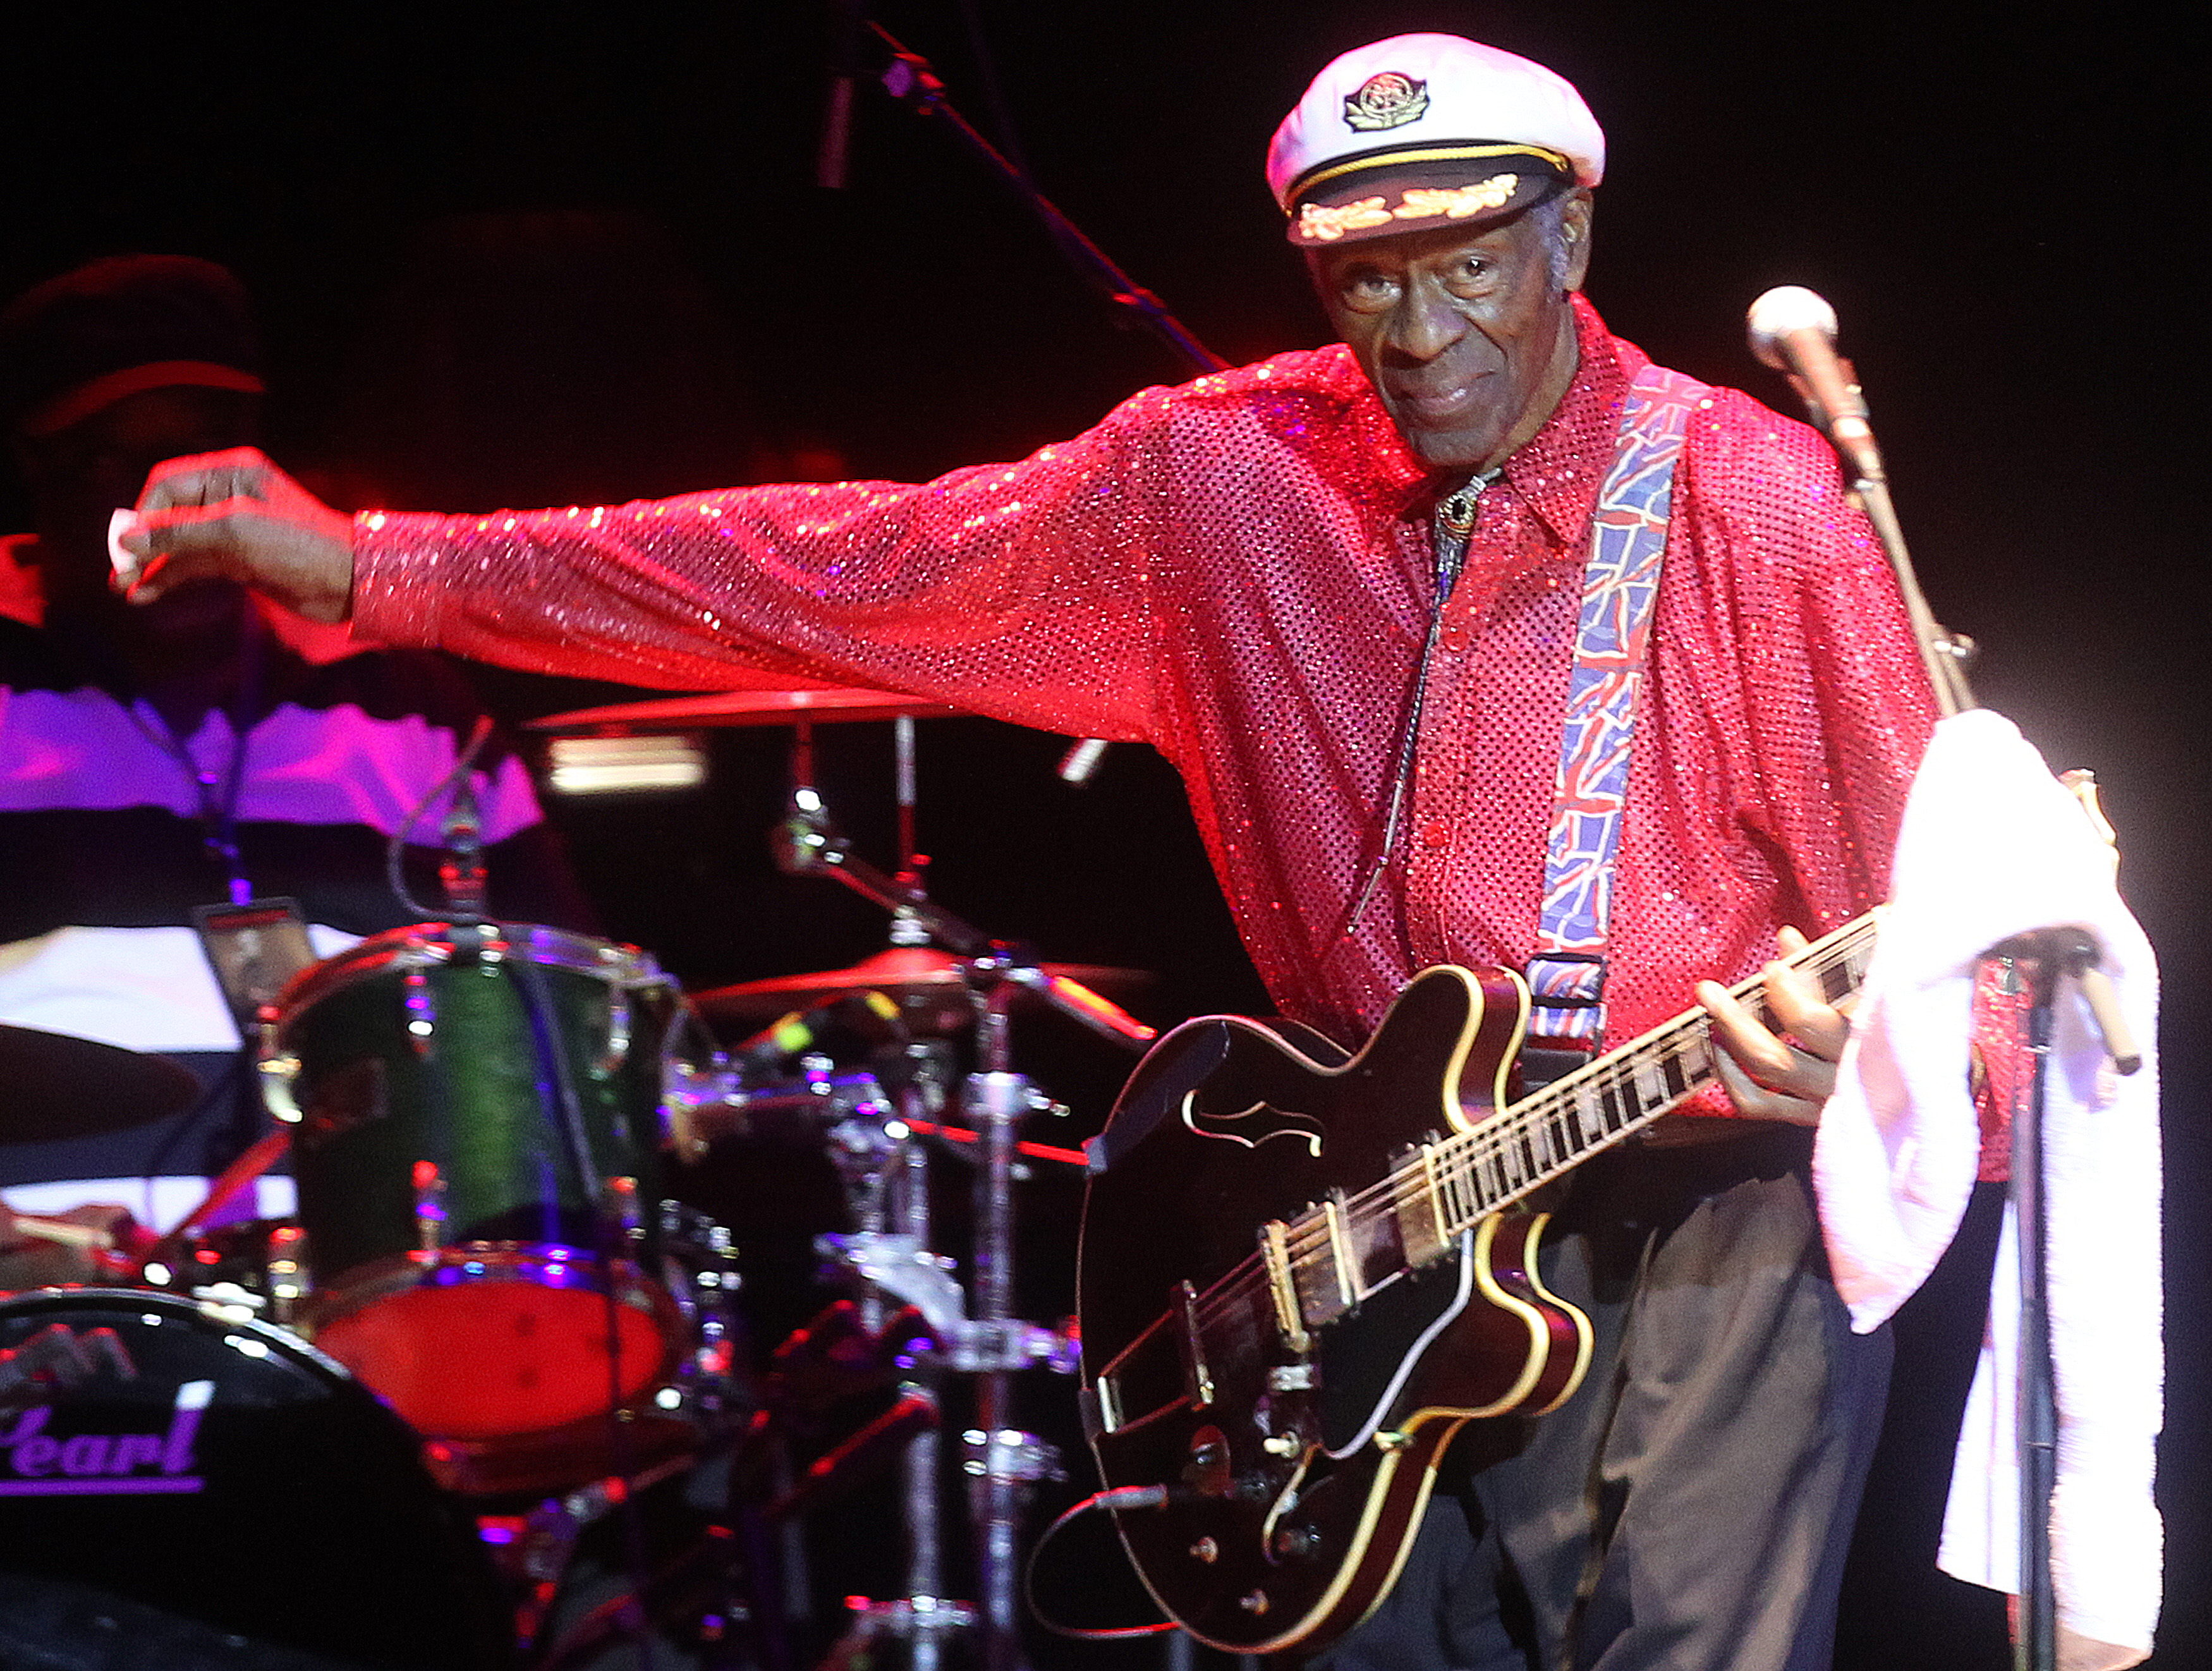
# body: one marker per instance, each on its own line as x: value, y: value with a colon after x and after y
x: 1339, y: 1252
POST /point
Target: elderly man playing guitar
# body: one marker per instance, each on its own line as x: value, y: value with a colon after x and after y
x: 1477, y: 640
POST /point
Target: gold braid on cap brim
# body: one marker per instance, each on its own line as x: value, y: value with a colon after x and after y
x: 1370, y: 160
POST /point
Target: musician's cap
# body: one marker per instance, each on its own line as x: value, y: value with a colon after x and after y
x: 1426, y: 129
x: 82, y: 342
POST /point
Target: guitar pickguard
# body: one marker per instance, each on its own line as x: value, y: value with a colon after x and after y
x: 1363, y: 1368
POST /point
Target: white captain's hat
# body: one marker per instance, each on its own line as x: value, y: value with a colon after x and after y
x: 1421, y: 131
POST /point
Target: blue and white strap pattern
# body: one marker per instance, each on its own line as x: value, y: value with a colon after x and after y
x: 1621, y: 581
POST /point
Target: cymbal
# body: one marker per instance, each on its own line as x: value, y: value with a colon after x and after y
x: 54, y: 1086
x: 714, y: 708
x: 927, y: 984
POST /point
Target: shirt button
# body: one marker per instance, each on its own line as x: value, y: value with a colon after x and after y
x: 1453, y: 639
x: 1435, y: 834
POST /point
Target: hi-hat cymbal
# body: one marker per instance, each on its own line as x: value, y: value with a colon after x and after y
x: 929, y: 986
x: 54, y: 1086
x: 713, y: 708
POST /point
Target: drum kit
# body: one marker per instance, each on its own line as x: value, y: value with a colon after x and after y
x: 490, y: 1327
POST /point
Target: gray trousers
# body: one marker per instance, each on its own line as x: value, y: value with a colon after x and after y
x: 1690, y: 1506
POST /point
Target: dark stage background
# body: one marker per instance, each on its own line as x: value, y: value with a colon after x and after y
x: 562, y: 252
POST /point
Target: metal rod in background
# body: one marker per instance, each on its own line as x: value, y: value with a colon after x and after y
x: 996, y: 1100
x: 912, y: 80
x: 931, y: 1616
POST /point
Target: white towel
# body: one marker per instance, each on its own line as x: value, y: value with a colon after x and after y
x: 1993, y: 846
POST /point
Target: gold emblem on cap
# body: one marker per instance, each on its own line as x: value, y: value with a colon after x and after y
x: 1455, y: 203
x: 1387, y: 101
x: 1326, y: 224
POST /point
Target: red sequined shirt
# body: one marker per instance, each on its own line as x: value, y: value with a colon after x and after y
x: 1238, y: 571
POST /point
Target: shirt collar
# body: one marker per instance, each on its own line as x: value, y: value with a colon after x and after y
x: 1559, y: 470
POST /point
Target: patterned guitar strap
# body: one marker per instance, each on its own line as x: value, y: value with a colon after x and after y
x: 1613, y: 639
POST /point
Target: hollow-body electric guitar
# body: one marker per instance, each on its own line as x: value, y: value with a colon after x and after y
x: 1302, y: 1274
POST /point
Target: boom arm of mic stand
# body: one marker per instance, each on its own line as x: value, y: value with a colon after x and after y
x: 911, y: 80
x: 1943, y: 653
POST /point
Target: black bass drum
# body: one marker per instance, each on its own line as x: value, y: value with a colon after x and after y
x: 201, y: 1467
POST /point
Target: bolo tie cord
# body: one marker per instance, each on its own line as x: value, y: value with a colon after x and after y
x: 1449, y: 530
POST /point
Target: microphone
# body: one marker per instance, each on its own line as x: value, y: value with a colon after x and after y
x: 1794, y: 331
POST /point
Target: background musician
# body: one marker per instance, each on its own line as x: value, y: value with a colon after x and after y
x: 208, y: 748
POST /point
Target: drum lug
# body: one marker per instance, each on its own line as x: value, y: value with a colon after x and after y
x: 289, y: 1284
x: 429, y: 1207
x: 280, y: 1071
x: 421, y: 1012
x: 618, y: 1032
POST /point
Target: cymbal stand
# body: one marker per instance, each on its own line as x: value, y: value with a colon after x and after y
x: 876, y: 1160
x: 886, y: 1177
x: 1002, y: 1461
x: 991, y: 1342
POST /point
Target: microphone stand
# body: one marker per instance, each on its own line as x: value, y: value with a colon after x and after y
x: 2036, y: 1418
x: 2043, y: 956
x: 911, y: 79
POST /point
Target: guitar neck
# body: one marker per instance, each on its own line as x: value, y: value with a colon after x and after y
x: 1497, y: 1163
x: 1342, y: 1251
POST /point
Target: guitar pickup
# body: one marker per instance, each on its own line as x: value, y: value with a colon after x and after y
x: 1275, y: 1257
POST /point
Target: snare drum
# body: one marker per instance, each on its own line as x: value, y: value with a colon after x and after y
x: 203, y: 1467
x: 475, y: 1154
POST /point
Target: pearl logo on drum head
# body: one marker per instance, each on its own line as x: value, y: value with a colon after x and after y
x: 36, y: 1461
